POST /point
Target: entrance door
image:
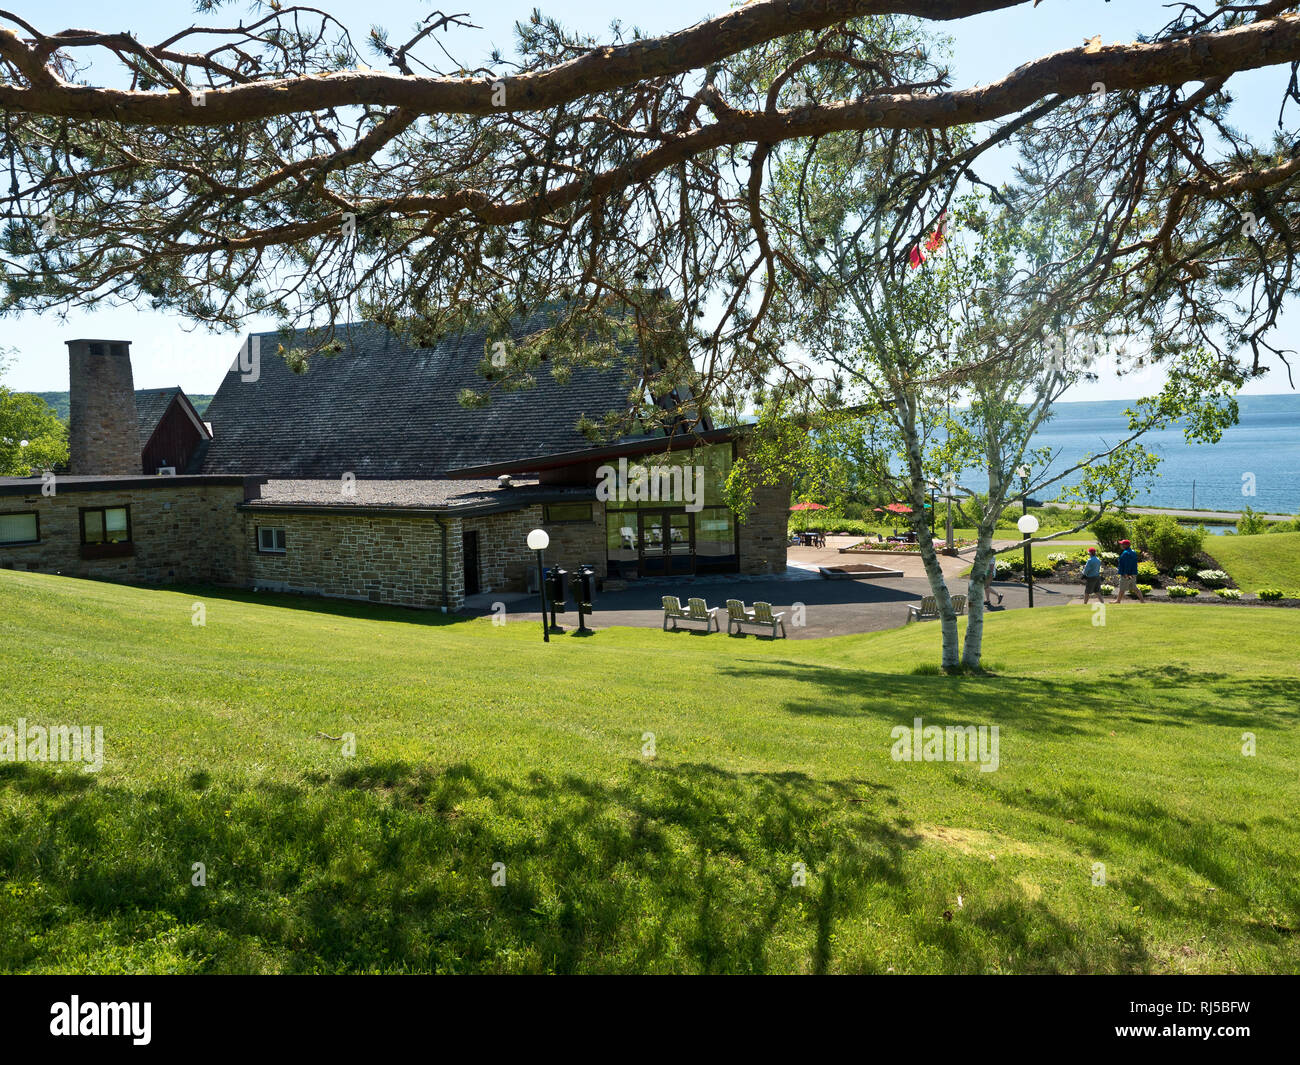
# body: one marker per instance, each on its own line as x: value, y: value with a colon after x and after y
x: 470, y: 552
x: 666, y: 542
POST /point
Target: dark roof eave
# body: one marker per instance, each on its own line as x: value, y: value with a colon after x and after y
x: 70, y: 484
x: 626, y: 448
x: 382, y: 510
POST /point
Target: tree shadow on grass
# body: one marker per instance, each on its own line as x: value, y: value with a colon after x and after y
x: 318, y: 604
x: 1178, y: 698
x: 390, y: 867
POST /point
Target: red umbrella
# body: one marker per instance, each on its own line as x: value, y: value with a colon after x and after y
x: 809, y: 506
x: 898, y: 508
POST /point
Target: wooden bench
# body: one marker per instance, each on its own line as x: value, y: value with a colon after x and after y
x: 761, y: 615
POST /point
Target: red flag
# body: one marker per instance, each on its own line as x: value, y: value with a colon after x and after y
x: 932, y: 243
x: 936, y: 239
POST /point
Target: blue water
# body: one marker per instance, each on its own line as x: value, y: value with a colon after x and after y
x: 1264, y: 445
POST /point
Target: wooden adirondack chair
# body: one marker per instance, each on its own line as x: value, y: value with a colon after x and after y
x: 959, y: 604
x: 928, y: 609
x: 698, y: 610
x: 672, y: 611
x: 737, y: 615
x: 763, y: 616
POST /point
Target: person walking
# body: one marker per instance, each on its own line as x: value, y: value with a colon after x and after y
x: 988, y: 581
x: 1128, y: 573
x: 1092, y: 576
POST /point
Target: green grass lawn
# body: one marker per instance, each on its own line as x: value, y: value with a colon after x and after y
x: 477, y: 744
x: 1270, y: 560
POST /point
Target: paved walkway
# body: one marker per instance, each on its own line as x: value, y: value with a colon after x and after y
x: 813, y: 607
x: 1213, y: 515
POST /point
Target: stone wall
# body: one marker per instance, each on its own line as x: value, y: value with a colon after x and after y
x: 764, y: 534
x: 506, y: 564
x: 181, y: 532
x: 503, y: 556
x: 103, y: 432
x: 377, y: 558
x: 576, y: 542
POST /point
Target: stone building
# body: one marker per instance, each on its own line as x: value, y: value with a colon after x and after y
x: 366, y: 478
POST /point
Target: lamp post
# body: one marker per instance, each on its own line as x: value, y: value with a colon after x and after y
x: 1028, y: 525
x: 538, y: 541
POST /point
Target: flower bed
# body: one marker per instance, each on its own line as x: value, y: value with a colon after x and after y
x: 1202, y: 581
x: 866, y: 547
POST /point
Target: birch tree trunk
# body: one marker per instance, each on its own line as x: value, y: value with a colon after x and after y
x: 933, y: 571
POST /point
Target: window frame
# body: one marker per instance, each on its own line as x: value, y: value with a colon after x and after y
x: 284, y: 536
x: 548, y: 520
x: 22, y: 514
x: 103, y: 513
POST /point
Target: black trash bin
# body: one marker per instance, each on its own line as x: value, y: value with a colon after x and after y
x: 585, y: 592
x: 557, y: 591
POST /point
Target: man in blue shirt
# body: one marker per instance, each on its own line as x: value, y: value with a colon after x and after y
x: 1128, y: 573
x: 1092, y: 576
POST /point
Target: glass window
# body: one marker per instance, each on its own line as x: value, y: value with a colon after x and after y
x: 92, y: 526
x: 106, y: 525
x: 715, y: 537
x: 561, y: 512
x: 270, y: 540
x: 115, y: 527
x: 704, y: 471
x: 19, y: 529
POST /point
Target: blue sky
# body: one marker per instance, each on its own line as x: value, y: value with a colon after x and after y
x: 169, y: 350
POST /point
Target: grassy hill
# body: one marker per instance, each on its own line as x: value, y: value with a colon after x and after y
x: 477, y: 745
x: 1270, y: 560
x: 59, y: 401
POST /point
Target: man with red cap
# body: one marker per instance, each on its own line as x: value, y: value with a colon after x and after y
x: 1128, y: 573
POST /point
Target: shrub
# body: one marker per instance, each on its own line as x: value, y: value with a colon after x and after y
x: 1169, y: 543
x: 1145, y: 589
x: 1109, y: 556
x: 1058, y: 556
x: 1228, y: 593
x: 1148, y: 569
x: 1269, y: 593
x: 1107, y: 589
x: 1043, y: 569
x: 1250, y: 523
x: 1181, y: 591
x: 1109, y: 530
x: 1212, y: 578
x: 1182, y: 571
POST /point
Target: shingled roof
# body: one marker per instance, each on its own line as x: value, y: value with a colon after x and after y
x: 150, y: 405
x: 382, y: 409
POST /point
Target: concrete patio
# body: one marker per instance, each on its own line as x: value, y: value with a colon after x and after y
x: 814, y: 607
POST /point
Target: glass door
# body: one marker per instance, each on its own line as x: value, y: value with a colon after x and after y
x: 650, y: 543
x: 666, y: 542
x: 680, y: 544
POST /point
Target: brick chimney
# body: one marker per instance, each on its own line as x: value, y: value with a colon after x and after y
x: 104, y: 432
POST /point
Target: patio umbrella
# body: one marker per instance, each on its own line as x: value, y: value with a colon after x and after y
x: 808, y: 506
x: 898, y: 508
